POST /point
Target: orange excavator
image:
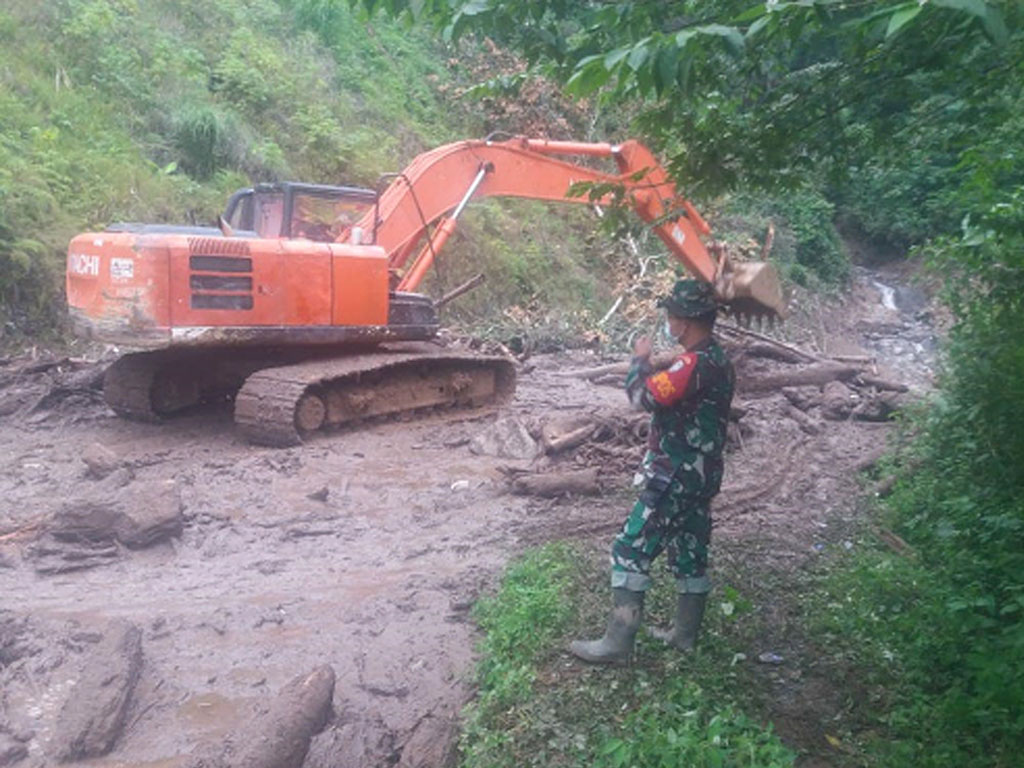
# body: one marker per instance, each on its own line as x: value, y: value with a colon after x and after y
x: 302, y: 304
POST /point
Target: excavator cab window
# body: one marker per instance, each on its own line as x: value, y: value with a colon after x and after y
x: 256, y: 210
x: 316, y: 212
x: 328, y: 216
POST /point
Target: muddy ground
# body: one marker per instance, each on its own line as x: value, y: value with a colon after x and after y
x: 244, y: 567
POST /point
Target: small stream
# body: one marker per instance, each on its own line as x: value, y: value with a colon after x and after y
x: 903, y: 336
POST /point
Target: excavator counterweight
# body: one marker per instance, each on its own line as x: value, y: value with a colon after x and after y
x: 294, y: 305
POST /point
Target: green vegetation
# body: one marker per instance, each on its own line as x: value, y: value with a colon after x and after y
x: 807, y: 248
x: 940, y: 632
x: 535, y: 708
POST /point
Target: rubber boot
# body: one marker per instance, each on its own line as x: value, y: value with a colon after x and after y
x: 616, y: 646
x: 683, y: 633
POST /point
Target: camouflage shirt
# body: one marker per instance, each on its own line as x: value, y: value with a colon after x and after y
x: 689, y: 406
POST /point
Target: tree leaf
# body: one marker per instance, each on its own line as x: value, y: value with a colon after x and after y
x: 590, y: 74
x: 757, y: 26
x: 638, y: 57
x: 901, y: 17
x: 733, y: 37
x: 684, y: 36
x: 612, y: 59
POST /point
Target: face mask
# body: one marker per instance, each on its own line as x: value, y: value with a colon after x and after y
x: 666, y: 334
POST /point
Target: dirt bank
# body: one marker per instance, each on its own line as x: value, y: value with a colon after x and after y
x: 244, y: 567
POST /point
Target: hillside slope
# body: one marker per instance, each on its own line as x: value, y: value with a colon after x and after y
x: 120, y: 110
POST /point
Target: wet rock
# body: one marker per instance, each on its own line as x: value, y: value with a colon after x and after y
x: 93, y: 717
x: 99, y: 461
x: 507, y: 439
x: 137, y: 519
x: 879, y: 407
x: 11, y: 751
x: 319, y: 495
x: 13, y: 640
x: 50, y: 555
x: 88, y: 519
x: 837, y: 401
x: 361, y: 741
x: 280, y: 736
x: 803, y: 398
x: 432, y: 743
x: 12, y: 402
x: 155, y: 514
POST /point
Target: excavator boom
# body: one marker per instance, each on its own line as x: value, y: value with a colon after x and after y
x: 438, y: 183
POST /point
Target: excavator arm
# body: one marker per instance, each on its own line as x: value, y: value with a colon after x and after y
x: 436, y: 186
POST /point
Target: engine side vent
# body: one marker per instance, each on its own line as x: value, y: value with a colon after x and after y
x: 219, y: 264
x: 220, y: 280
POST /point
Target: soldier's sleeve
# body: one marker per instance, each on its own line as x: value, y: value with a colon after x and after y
x: 668, y: 387
x: 639, y: 369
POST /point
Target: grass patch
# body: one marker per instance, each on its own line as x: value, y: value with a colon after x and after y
x: 538, y: 707
x: 938, y: 680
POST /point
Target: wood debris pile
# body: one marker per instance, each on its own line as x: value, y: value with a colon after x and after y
x: 586, y: 454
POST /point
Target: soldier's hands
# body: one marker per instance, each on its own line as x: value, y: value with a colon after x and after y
x: 642, y: 347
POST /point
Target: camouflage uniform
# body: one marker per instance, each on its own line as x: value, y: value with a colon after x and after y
x: 681, y: 470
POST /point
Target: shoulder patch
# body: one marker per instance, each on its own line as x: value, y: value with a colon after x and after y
x: 668, y: 387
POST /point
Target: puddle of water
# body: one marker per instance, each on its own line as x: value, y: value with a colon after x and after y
x: 210, y: 712
x: 248, y: 675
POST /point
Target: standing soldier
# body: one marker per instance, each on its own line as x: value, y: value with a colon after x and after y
x: 681, y: 472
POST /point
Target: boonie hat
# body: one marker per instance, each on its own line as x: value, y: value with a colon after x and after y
x: 690, y: 298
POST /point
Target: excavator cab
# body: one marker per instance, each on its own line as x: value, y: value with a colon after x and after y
x: 316, y: 212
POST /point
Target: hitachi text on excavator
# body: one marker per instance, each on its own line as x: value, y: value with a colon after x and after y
x: 302, y: 304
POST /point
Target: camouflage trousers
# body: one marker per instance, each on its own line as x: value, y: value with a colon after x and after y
x: 677, y: 523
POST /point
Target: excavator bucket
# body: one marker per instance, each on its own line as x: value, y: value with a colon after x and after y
x: 751, y: 290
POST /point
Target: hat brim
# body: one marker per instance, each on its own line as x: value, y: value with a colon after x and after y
x: 677, y: 310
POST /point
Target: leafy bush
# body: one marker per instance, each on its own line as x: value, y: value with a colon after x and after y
x: 942, y: 632
x: 679, y: 729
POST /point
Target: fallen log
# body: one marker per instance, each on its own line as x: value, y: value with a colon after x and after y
x: 821, y: 373
x: 93, y: 716
x: 885, y: 486
x: 658, y: 362
x: 864, y: 359
x: 885, y: 385
x: 773, y: 352
x: 607, y: 380
x: 738, y: 331
x: 894, y: 542
x: 570, y: 440
x: 805, y: 422
x: 551, y: 484
x: 279, y: 737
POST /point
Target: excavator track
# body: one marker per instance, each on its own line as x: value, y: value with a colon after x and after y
x: 150, y: 386
x: 279, y: 406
